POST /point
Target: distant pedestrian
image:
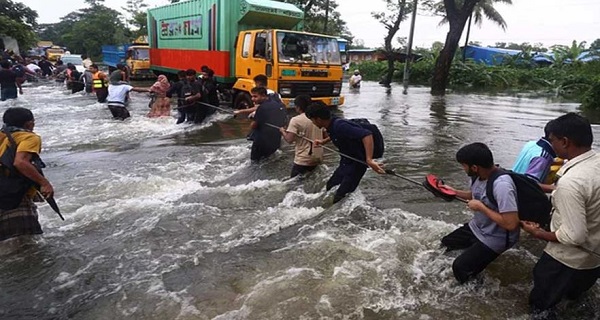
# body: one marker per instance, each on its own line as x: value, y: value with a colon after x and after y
x: 99, y: 83
x: 8, y: 82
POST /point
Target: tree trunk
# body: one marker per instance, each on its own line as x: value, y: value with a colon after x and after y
x: 444, y: 62
x: 457, y: 18
x: 390, y: 71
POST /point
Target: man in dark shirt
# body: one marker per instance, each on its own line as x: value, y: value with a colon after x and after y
x: 191, y: 93
x: 176, y: 89
x: 350, y: 139
x: 8, y: 82
x: 267, y: 139
x: 46, y: 67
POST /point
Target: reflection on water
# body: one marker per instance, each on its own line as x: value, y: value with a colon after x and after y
x: 173, y: 222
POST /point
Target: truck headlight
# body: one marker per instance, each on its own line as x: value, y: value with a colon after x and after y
x: 285, y: 91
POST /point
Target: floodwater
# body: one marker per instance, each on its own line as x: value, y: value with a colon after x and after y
x: 173, y: 222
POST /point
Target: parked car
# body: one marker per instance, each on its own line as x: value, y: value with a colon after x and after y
x: 75, y: 59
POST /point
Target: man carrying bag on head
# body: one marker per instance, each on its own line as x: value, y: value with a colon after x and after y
x: 20, y: 174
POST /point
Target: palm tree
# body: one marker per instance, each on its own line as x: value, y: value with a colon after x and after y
x: 456, y: 13
x: 482, y: 8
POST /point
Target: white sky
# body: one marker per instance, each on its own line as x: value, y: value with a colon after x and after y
x: 546, y: 21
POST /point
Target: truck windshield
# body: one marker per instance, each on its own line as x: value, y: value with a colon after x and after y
x: 55, y: 51
x: 140, y: 54
x: 298, y: 47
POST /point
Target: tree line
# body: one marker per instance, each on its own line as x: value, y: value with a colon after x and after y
x: 87, y: 29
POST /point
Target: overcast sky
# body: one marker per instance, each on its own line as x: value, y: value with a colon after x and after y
x: 546, y: 21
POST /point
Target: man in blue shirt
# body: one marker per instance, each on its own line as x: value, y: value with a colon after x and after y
x: 350, y: 139
x: 536, y: 158
x: 493, y: 228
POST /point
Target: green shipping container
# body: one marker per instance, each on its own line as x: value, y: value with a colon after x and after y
x: 193, y: 33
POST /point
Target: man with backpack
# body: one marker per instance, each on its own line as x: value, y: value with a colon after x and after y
x: 18, y: 213
x: 494, y: 227
x: 351, y: 139
x: 570, y: 264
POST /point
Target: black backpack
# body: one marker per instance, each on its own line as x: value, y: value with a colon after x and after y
x: 378, y: 144
x: 533, y: 204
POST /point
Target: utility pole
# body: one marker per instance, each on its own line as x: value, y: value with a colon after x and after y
x: 409, y: 48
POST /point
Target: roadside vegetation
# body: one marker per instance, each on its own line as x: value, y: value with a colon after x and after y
x: 575, y: 80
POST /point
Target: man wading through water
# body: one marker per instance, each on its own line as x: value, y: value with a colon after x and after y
x: 22, y: 220
x: 493, y: 229
x: 350, y: 139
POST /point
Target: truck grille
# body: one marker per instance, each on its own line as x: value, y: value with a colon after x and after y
x: 313, y: 89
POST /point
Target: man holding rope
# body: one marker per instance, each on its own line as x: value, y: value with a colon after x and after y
x: 354, y: 143
x: 570, y: 264
x: 307, y: 155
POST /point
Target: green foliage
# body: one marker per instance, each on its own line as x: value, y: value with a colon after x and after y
x: 17, y: 21
x: 570, y: 80
x: 315, y: 13
x: 591, y: 98
x: 137, y: 17
x: 85, y: 31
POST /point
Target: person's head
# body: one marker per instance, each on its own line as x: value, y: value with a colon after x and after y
x: 5, y: 64
x: 261, y: 80
x: 190, y: 75
x: 204, y: 69
x: 93, y: 68
x: 319, y: 114
x: 115, y: 77
x: 71, y: 67
x: 259, y: 95
x: 44, y: 58
x: 59, y: 62
x: 474, y: 158
x: 18, y: 117
x: 181, y: 74
x: 356, y: 72
x: 546, y: 129
x: 302, y: 102
x: 84, y: 56
x: 119, y: 66
x: 570, y: 135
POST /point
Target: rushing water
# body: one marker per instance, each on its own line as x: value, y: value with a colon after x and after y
x: 173, y: 222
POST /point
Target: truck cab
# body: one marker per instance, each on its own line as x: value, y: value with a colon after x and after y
x: 54, y: 53
x: 296, y: 63
x: 137, y: 59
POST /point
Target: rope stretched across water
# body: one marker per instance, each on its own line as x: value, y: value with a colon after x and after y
x: 388, y: 171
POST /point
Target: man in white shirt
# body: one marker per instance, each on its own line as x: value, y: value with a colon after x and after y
x: 87, y: 62
x: 355, y: 80
x: 308, y: 156
x: 570, y: 264
x: 117, y: 95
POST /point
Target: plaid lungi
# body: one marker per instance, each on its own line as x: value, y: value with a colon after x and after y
x: 20, y: 221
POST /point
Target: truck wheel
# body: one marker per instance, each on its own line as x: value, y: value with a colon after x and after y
x: 242, y: 101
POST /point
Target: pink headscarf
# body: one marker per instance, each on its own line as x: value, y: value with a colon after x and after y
x: 161, y: 86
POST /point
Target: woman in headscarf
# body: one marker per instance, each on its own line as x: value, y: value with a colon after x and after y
x: 162, y: 105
